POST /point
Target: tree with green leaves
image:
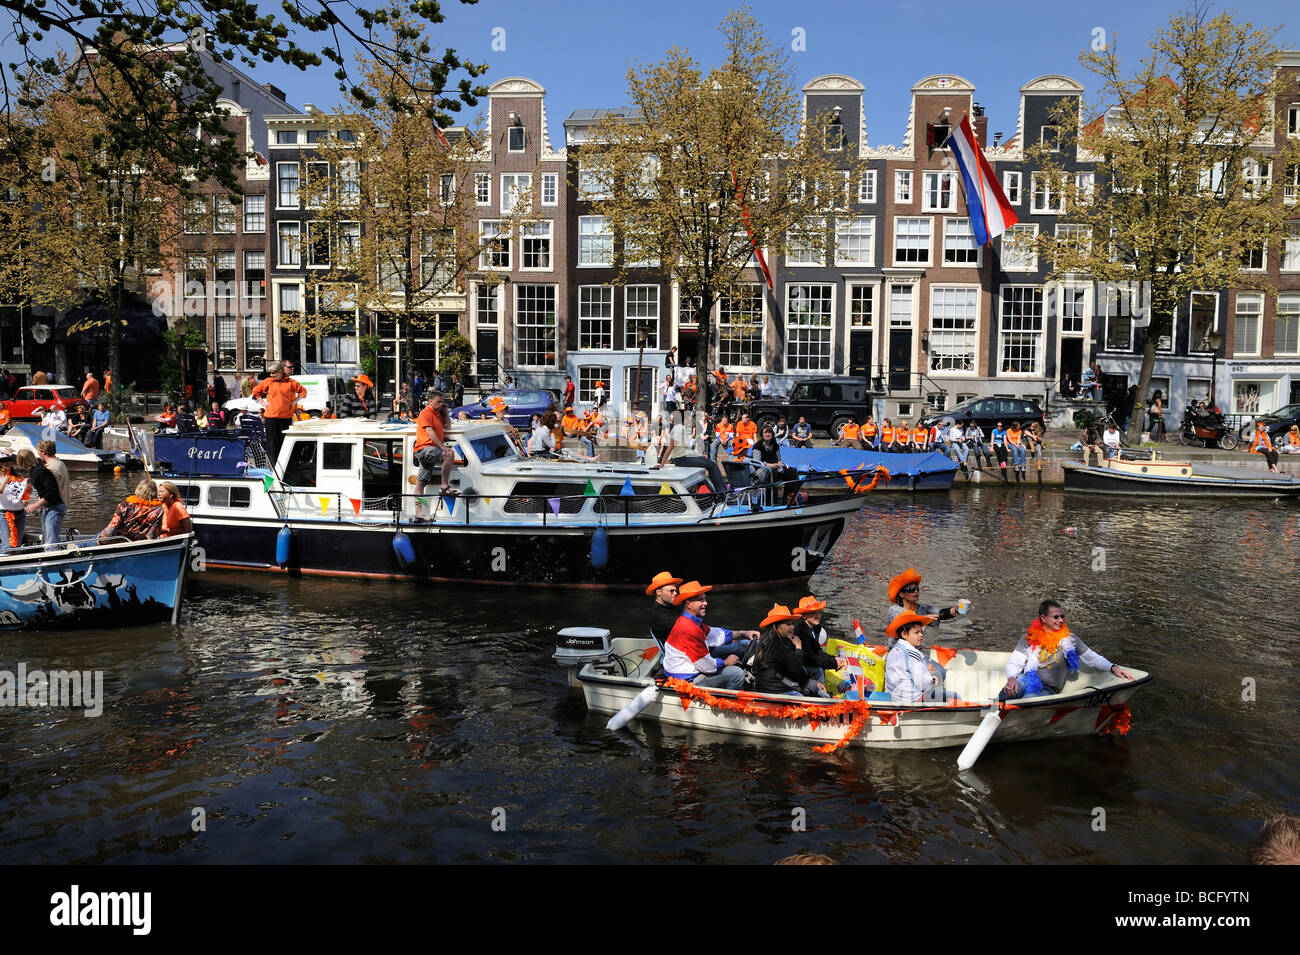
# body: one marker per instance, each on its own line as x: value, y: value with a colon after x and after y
x: 171, y: 92
x: 709, y: 164
x: 1191, y: 174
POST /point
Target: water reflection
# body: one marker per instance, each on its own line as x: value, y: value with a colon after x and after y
x: 350, y: 721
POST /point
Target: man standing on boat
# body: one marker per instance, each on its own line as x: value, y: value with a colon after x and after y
x: 1047, y: 654
x: 430, y: 454
x: 692, y: 644
x: 49, y: 483
x: 281, y: 393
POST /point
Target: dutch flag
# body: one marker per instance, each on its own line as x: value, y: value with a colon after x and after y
x: 990, y: 213
x: 858, y: 635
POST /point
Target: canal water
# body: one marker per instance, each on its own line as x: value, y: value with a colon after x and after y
x: 332, y: 721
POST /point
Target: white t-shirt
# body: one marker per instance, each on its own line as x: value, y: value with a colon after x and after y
x: 1110, y: 438
x: 11, y: 498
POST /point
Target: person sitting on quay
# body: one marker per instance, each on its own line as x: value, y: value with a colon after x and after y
x: 1091, y: 442
x: 79, y: 424
x: 849, y: 435
x: 691, y: 650
x: 813, y: 636
x: 920, y: 438
x: 1110, y: 439
x: 869, y: 434
x: 957, y: 450
x: 998, y: 438
x: 1016, y: 449
x: 975, y: 442
x: 801, y: 434
x: 55, y: 418
x: 99, y: 422
x: 910, y: 677
x: 779, y: 665
x: 902, y: 443
x: 1046, y: 655
x: 1261, y: 443
x: 905, y: 597
x: 781, y: 430
x: 939, y: 438
x: 746, y: 431
x: 139, y: 517
x: 1292, y: 443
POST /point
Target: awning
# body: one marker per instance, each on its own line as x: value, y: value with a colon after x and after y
x: 88, y: 325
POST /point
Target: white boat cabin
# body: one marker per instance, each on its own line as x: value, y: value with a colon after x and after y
x: 355, y: 470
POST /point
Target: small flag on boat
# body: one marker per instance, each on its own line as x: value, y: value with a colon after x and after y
x: 665, y: 488
x: 589, y: 490
x: 555, y: 505
x: 324, y: 506
x: 356, y: 505
x: 858, y: 635
x: 627, y: 488
x: 422, y: 501
x: 267, y: 481
x: 450, y: 502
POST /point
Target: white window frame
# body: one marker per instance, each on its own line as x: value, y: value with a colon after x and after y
x: 525, y: 238
x: 867, y: 186
x: 514, y: 187
x: 903, y: 186
x: 586, y: 180
x: 595, y: 327
x: 247, y: 212
x: 550, y: 187
x: 965, y: 338
x: 632, y: 296
x: 1290, y: 261
x: 859, y: 230
x: 1293, y: 119
x: 224, y: 209
x: 757, y: 329
x: 1029, y: 229
x: 1248, y: 299
x: 279, y: 191
x: 1050, y: 143
x: 1248, y: 254
x: 933, y: 190
x: 1288, y: 305
x: 1011, y: 186
x: 803, y: 332
x: 595, y: 241
x: 483, y: 188
x: 1051, y: 190
x: 979, y: 250
x: 284, y: 229
x: 929, y: 234
x: 1193, y: 346
x: 510, y: 138
x: 520, y: 287
x: 1039, y: 346
x: 1256, y: 177
x: 491, y: 229
x: 807, y: 244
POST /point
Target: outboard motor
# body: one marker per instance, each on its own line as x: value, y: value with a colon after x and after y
x: 575, y: 647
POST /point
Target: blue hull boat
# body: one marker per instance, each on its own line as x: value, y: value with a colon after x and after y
x: 84, y: 583
x: 927, y: 471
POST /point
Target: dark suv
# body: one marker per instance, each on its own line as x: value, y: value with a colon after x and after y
x: 825, y: 403
x: 987, y: 412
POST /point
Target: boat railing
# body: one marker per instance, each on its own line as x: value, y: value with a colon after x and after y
x: 606, y: 508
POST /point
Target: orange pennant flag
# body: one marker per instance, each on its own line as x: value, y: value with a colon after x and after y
x: 356, y: 505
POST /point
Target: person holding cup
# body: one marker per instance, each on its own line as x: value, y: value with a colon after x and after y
x: 905, y: 597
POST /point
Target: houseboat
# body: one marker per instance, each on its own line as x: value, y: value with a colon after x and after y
x: 341, y: 500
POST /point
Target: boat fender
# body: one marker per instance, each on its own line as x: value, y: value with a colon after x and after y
x: 979, y: 739
x: 283, y: 545
x: 599, y: 549
x: 404, y: 550
x: 911, y: 482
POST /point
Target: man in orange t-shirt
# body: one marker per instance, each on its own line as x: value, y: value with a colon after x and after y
x: 281, y: 393
x: 430, y: 453
x: 740, y: 389
x: 90, y: 390
x: 746, y: 431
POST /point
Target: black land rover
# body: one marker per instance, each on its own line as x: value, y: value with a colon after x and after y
x: 825, y: 403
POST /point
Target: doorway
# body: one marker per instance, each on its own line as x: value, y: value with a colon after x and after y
x: 1072, y: 359
x: 640, y: 401
x: 900, y: 359
x: 860, y: 353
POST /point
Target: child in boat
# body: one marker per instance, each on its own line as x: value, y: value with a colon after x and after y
x: 909, y: 676
x: 1047, y: 654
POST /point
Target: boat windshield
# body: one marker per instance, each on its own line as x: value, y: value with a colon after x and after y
x: 496, y: 447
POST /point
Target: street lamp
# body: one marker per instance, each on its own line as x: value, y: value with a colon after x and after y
x: 1215, y: 340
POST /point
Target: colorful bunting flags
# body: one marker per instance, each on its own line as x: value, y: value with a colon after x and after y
x: 555, y: 505
x: 665, y: 488
x: 627, y: 488
x: 589, y: 490
x: 267, y: 481
x: 324, y: 506
x: 356, y: 505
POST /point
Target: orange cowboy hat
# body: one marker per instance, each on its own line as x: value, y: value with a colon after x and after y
x: 778, y: 614
x: 365, y: 380
x: 690, y: 591
x: 662, y: 579
x: 902, y: 620
x: 909, y: 576
x: 809, y: 604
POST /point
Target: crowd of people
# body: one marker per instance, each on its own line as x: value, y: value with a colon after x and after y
x: 787, y: 653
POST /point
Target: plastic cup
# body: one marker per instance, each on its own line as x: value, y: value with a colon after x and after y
x: 963, y: 606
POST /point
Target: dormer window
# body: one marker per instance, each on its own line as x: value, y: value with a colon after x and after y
x: 515, y: 143
x: 834, y: 135
x: 1050, y: 138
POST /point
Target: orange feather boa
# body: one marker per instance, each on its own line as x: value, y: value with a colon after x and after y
x: 1040, y: 636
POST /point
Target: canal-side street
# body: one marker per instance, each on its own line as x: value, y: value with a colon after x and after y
x: 324, y: 720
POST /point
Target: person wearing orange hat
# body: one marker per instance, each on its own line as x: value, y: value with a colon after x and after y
x: 663, y: 612
x: 1047, y: 654
x: 904, y: 597
x: 909, y: 676
x: 780, y: 665
x: 812, y: 635
x: 692, y: 645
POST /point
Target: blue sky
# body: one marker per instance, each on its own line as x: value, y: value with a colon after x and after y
x: 580, y: 49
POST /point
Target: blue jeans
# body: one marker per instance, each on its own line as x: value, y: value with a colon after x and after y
x: 728, y: 678
x: 52, y: 523
x: 959, y: 452
x: 738, y: 647
x: 1017, y: 454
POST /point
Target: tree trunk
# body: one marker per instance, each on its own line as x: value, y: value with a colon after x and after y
x: 115, y: 350
x: 1137, y: 416
x: 703, y: 363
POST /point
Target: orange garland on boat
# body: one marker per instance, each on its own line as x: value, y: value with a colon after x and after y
x: 810, y: 712
x: 1122, y: 723
x: 881, y: 472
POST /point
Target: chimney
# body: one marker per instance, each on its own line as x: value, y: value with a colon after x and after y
x: 997, y: 140
x: 309, y: 109
x: 198, y: 39
x: 274, y: 91
x: 980, y: 126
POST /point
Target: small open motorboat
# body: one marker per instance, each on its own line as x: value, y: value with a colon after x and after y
x: 613, y: 674
x: 86, y: 583
x: 1131, y: 475
x: 75, y: 455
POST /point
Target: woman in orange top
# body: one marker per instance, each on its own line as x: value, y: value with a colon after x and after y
x: 867, y: 433
x: 920, y: 438
x: 886, y: 435
x: 280, y: 392
x: 175, y: 519
x: 1016, y: 449
x: 1261, y: 443
x: 165, y: 418
x: 902, y: 438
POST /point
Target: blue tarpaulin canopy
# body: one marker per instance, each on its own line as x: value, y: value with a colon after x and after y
x: 850, y: 459
x: 63, y: 445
